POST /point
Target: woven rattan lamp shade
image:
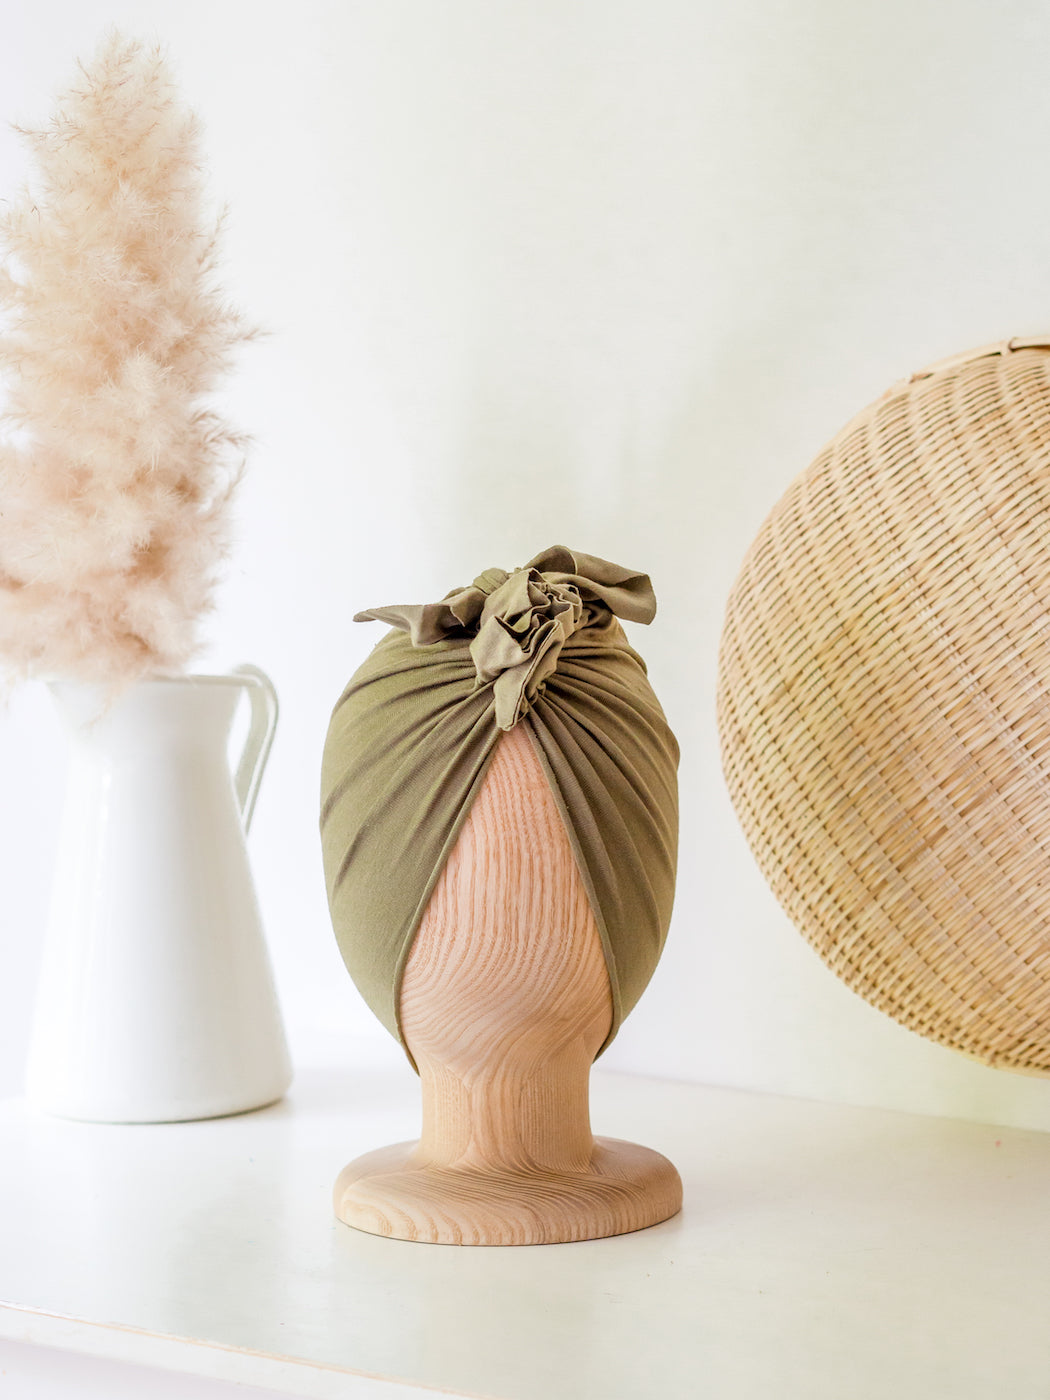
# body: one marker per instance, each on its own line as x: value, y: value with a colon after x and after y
x: 884, y: 704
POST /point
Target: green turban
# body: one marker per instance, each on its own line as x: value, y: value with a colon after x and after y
x: 413, y: 733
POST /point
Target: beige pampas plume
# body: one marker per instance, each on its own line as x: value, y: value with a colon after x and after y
x: 115, y: 475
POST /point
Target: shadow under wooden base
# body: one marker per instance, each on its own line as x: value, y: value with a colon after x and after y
x: 391, y: 1192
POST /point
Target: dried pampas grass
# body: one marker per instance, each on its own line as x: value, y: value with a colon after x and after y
x: 115, y: 475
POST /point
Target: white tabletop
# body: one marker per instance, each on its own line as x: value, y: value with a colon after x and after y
x: 823, y: 1252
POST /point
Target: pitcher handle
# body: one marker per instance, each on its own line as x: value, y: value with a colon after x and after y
x: 262, y: 698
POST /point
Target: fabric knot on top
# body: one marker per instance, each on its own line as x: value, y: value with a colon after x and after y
x: 524, y: 624
x: 516, y: 624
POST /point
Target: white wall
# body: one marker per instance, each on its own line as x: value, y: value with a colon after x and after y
x: 596, y: 272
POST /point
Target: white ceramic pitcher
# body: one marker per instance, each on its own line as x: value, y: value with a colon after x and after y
x: 156, y: 1000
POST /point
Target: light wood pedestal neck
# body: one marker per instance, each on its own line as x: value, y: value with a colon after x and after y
x: 504, y: 1004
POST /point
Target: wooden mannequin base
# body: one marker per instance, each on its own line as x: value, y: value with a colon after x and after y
x: 505, y: 1001
x: 390, y: 1192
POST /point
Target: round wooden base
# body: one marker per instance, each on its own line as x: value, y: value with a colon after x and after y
x: 625, y: 1188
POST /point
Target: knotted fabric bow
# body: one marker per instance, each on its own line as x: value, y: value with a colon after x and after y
x: 414, y: 731
x: 519, y: 622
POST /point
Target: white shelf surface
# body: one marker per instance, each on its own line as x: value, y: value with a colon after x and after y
x: 823, y: 1251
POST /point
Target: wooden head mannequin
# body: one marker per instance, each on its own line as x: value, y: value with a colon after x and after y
x: 504, y: 1003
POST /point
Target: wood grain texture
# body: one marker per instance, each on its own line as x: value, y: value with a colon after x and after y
x: 504, y: 1004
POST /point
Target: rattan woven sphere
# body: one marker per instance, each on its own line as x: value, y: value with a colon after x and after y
x: 884, y: 704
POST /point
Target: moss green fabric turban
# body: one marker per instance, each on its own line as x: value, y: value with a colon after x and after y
x: 412, y: 735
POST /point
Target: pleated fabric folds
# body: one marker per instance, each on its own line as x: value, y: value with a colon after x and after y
x: 412, y: 735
